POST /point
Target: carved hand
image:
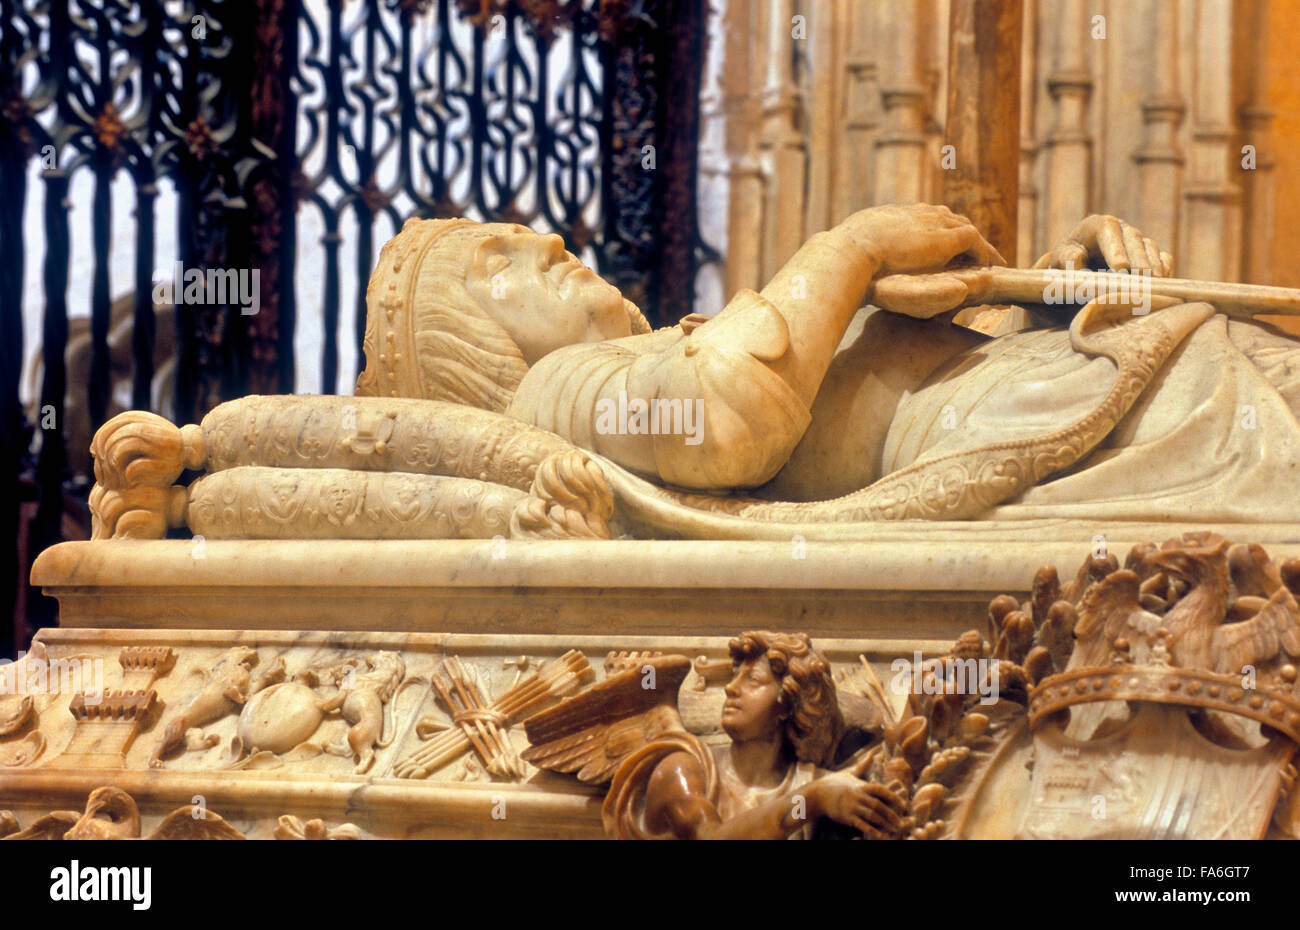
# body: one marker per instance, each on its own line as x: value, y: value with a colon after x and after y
x: 1108, y: 240
x: 866, y: 806
x: 916, y: 238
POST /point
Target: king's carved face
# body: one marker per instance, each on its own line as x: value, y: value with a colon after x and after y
x: 753, y: 708
x: 542, y: 295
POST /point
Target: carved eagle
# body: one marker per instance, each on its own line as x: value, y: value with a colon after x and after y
x: 1208, y: 628
x: 1199, y: 636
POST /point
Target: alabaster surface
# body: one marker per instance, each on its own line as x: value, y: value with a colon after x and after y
x: 511, y: 392
x: 426, y: 575
x: 913, y: 582
x: 244, y: 721
x: 1151, y: 696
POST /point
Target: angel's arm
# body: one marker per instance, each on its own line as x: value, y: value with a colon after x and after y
x: 676, y: 804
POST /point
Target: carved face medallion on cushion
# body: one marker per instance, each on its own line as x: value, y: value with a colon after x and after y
x: 339, y: 502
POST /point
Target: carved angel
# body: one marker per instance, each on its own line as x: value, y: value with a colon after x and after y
x: 768, y: 782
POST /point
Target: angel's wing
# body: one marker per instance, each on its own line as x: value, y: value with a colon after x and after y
x: 593, y: 732
x: 181, y: 824
x: 50, y: 827
x: 1276, y: 626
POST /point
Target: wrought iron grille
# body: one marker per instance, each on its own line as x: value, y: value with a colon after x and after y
x: 297, y: 135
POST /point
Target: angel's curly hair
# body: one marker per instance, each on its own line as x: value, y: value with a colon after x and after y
x: 813, y: 717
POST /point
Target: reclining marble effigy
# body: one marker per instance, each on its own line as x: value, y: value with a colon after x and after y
x: 510, y: 391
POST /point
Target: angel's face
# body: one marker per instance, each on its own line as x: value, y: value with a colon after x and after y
x: 753, y: 708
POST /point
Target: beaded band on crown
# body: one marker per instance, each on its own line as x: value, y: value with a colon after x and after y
x: 1163, y: 684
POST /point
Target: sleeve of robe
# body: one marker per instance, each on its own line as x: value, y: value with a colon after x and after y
x: 1213, y: 438
x: 724, y: 418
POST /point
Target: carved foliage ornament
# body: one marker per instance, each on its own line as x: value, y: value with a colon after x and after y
x: 112, y: 814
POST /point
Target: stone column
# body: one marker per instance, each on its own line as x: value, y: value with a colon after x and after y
x: 824, y: 84
x: 900, y: 146
x: 1160, y: 160
x: 1210, y: 236
x: 733, y: 142
x: 1028, y: 248
x: 1068, y: 144
x: 782, y: 150
x: 1256, y: 131
x: 861, y: 112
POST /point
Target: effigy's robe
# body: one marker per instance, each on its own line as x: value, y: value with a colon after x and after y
x: 982, y: 431
x: 1213, y: 438
x: 751, y: 418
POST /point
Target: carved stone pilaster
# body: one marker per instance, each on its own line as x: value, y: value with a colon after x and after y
x: 782, y: 148
x: 1256, y: 122
x: 1160, y: 157
x: 861, y: 111
x: 901, y: 143
x: 1027, y: 245
x: 1212, y: 198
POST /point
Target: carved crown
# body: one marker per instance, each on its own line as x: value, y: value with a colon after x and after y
x: 1164, y: 684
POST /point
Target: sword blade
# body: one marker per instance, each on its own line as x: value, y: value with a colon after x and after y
x: 1050, y: 286
x: 1015, y: 285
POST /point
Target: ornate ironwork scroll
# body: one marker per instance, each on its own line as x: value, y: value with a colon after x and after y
x: 652, y: 67
x: 98, y: 88
x: 363, y: 112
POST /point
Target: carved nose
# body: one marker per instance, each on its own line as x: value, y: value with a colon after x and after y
x: 554, y: 246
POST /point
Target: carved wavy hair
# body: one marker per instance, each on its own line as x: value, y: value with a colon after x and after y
x: 807, y: 689
x: 464, y: 355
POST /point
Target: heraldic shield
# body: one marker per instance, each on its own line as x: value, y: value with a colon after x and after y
x: 1157, y: 777
x: 1154, y: 701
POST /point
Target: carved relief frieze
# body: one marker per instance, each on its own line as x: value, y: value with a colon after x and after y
x: 1100, y: 706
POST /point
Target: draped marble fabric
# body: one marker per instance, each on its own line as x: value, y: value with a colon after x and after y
x: 1214, y: 438
x: 752, y: 419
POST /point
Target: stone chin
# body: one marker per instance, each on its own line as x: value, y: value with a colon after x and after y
x: 606, y: 312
